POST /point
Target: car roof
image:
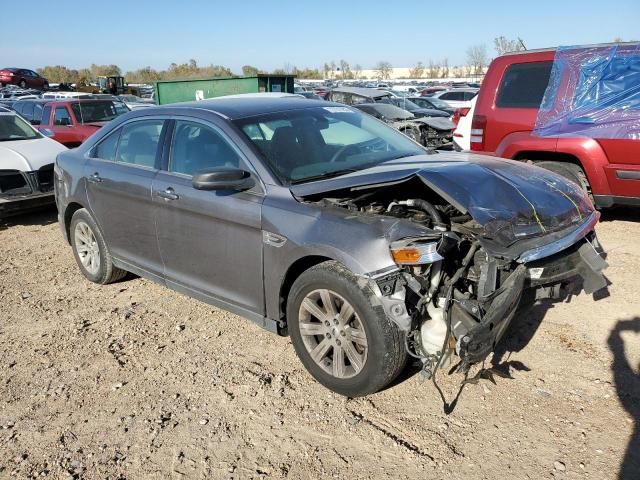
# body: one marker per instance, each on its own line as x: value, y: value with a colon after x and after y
x: 363, y: 91
x: 236, y: 107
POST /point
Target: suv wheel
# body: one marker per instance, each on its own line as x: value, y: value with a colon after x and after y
x: 344, y: 341
x: 569, y: 170
x: 91, y: 251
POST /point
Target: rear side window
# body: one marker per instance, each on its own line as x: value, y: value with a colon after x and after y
x: 139, y: 143
x: 27, y: 110
x: 523, y: 85
x: 37, y: 112
x: 455, y: 96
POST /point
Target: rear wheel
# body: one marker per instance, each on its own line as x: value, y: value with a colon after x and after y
x: 23, y: 84
x: 45, y: 86
x: 344, y: 341
x: 570, y: 171
x: 90, y: 250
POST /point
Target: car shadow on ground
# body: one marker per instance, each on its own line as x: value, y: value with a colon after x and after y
x: 627, y: 382
x: 625, y: 214
x: 42, y: 217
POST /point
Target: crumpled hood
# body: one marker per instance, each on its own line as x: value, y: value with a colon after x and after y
x: 29, y: 155
x: 439, y: 123
x: 511, y: 200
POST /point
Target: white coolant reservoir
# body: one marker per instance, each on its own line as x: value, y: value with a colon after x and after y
x: 433, y: 331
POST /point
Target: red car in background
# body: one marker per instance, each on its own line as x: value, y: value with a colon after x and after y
x: 505, y: 116
x: 23, y: 77
x: 71, y: 122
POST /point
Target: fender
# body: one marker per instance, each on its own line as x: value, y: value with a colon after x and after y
x: 587, y: 150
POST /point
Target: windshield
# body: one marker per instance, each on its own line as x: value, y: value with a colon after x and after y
x: 13, y: 127
x: 104, y: 111
x: 436, y: 102
x: 315, y: 143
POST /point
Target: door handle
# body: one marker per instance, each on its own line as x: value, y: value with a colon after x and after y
x: 95, y: 178
x: 168, y: 194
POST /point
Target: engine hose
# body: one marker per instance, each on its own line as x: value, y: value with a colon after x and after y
x: 427, y: 207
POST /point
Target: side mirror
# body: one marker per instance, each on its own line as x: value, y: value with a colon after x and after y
x: 223, y: 179
x: 65, y: 122
x: 35, y: 122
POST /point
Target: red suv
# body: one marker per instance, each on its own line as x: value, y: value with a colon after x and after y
x: 23, y: 77
x: 505, y: 116
x: 73, y: 121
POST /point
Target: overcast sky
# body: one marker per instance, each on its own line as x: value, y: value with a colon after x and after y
x: 270, y: 34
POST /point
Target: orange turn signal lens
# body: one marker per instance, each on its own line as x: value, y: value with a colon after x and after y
x: 406, y: 256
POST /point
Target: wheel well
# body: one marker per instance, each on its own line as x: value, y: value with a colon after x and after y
x: 72, y: 144
x: 548, y: 157
x: 68, y: 213
x: 295, y: 270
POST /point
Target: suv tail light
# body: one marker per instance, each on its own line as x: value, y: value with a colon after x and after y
x: 478, y: 125
x: 458, y: 113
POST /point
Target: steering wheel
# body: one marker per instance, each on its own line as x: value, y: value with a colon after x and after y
x: 342, y: 151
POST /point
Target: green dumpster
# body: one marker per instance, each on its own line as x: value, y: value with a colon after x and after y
x: 172, y: 91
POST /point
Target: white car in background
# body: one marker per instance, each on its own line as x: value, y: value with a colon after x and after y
x: 26, y: 165
x: 458, y: 97
x: 462, y: 133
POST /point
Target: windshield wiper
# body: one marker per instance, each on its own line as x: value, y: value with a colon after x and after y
x: 325, y: 175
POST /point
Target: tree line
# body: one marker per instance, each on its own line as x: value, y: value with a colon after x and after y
x: 477, y: 61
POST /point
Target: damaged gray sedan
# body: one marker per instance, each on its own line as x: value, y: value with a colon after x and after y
x: 324, y: 224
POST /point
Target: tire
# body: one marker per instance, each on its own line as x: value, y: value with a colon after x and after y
x: 45, y: 87
x: 97, y: 267
x: 570, y: 171
x: 23, y: 84
x: 370, y: 345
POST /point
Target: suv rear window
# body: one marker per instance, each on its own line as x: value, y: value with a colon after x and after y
x: 523, y: 85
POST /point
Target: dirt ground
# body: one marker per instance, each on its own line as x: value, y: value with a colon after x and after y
x: 134, y: 381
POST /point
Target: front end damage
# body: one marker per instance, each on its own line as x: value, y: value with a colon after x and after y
x: 457, y: 285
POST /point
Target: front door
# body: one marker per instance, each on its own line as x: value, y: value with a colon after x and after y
x: 119, y: 175
x: 210, y: 241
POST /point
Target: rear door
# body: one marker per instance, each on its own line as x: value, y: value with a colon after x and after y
x: 210, y: 241
x: 118, y: 176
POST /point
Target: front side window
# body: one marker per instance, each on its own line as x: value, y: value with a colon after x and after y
x: 139, y: 143
x: 523, y: 85
x: 62, y: 116
x: 311, y: 143
x: 108, y: 147
x: 197, y: 147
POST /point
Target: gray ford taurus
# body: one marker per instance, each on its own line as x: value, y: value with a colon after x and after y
x: 322, y: 223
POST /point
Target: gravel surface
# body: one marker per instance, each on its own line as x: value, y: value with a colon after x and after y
x: 134, y: 381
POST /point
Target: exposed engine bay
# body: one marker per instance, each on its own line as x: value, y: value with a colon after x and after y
x: 452, y: 294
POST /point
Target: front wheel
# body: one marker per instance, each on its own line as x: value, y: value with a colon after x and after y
x: 23, y: 84
x: 343, y: 339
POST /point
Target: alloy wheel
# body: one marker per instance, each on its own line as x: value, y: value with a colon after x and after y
x: 332, y: 333
x: 87, y: 248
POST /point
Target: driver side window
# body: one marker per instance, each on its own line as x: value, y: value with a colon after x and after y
x: 197, y: 147
x: 62, y: 116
